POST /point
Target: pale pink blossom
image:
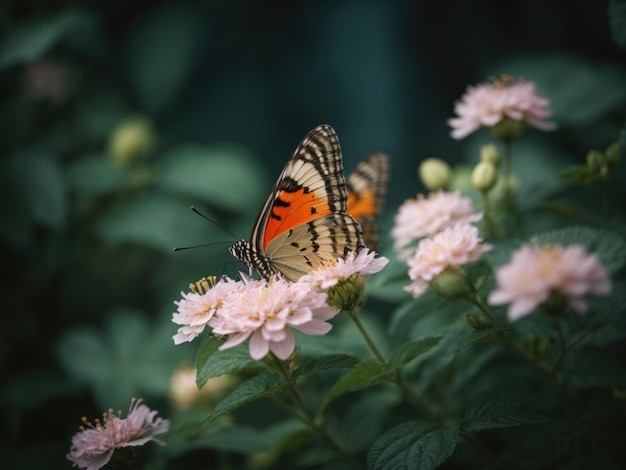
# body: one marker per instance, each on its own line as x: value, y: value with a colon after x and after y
x: 534, y: 272
x: 197, y: 307
x: 427, y: 216
x: 363, y: 262
x: 487, y: 104
x: 266, y: 313
x: 47, y: 81
x: 450, y: 249
x: 93, y: 446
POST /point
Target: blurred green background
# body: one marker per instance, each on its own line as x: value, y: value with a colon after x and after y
x: 116, y: 117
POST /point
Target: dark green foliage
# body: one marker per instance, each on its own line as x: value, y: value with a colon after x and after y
x: 92, y: 207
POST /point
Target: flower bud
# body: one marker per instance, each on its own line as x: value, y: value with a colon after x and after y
x: 184, y: 392
x: 435, y: 174
x: 506, y: 188
x: 452, y: 284
x: 612, y: 154
x: 477, y: 321
x: 595, y: 161
x: 131, y: 140
x: 347, y: 294
x: 507, y: 130
x: 484, y: 176
x: 490, y: 153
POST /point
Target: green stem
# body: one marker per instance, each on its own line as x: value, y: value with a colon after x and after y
x: 308, y: 417
x: 508, y: 163
x: 366, y: 336
x: 411, y: 396
x: 512, y: 344
x: 491, y: 226
x: 567, y: 348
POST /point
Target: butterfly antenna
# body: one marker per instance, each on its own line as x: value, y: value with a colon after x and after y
x: 181, y: 248
x: 193, y: 208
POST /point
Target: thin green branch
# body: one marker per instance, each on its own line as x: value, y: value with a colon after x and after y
x: 308, y: 417
x: 411, y: 396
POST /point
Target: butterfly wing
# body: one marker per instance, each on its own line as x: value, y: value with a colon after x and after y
x: 303, y: 223
x: 367, y: 186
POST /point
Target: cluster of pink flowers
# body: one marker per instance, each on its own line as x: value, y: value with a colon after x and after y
x: 488, y: 104
x: 450, y: 249
x: 535, y: 272
x: 93, y: 446
x: 266, y: 312
x: 427, y: 216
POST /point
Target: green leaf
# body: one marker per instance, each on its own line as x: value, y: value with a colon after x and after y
x: 591, y: 367
x: 364, y: 374
x: 609, y: 246
x: 324, y: 363
x: 259, y: 386
x: 609, y: 316
x: 96, y: 175
x: 238, y: 438
x: 42, y: 185
x: 27, y: 42
x: 491, y: 411
x: 210, y: 362
x: 622, y: 144
x: 228, y: 177
x: 409, y: 351
x: 157, y: 220
x: 414, y: 445
x: 617, y: 17
x: 578, y: 174
x: 491, y: 333
x: 161, y: 53
x: 362, y: 421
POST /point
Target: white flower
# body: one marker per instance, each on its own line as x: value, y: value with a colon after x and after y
x: 534, y: 272
x: 488, y: 104
x: 363, y: 262
x: 267, y: 312
x: 198, y: 307
x: 93, y: 446
x: 427, y: 216
x: 450, y: 249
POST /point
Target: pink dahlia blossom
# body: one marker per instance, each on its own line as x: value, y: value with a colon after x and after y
x: 198, y: 306
x: 363, y: 262
x: 427, y: 216
x: 93, y: 446
x: 267, y: 312
x: 487, y: 104
x: 450, y: 249
x: 536, y: 271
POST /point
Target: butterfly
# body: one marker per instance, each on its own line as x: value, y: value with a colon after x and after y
x: 303, y: 224
x: 367, y: 185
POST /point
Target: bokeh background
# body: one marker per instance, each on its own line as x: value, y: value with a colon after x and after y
x: 117, y: 117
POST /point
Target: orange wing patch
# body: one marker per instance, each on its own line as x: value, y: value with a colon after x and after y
x: 367, y: 186
x: 292, y: 209
x: 363, y: 204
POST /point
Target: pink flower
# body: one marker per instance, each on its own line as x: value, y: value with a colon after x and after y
x: 47, y: 81
x: 198, y: 306
x: 267, y: 312
x: 93, y: 446
x: 450, y: 249
x: 365, y: 262
x: 425, y: 217
x: 535, y: 272
x: 487, y: 104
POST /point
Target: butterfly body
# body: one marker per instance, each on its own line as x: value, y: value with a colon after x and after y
x: 303, y: 224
